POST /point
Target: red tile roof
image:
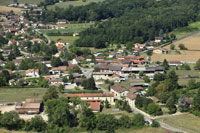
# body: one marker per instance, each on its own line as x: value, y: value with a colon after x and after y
x: 91, y: 95
x: 95, y: 106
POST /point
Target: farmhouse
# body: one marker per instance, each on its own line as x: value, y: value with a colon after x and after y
x: 32, y: 73
x: 102, y: 75
x: 119, y: 91
x: 159, y: 50
x: 89, y: 97
x: 32, y: 106
x: 158, y: 39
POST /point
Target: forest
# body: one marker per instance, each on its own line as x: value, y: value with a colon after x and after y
x: 123, y: 21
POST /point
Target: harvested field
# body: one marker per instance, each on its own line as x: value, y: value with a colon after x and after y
x: 7, y: 9
x: 190, y: 55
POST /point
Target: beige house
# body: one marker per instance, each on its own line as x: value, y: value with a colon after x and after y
x: 119, y: 91
x: 160, y: 50
x: 94, y: 97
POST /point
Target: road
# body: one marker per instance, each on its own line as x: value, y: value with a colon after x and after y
x: 48, y: 39
x: 87, y: 72
x: 149, y: 118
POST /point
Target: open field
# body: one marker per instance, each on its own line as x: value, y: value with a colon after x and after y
x: 7, y: 131
x: 190, y: 55
x: 143, y: 130
x: 187, y: 122
x: 7, y: 2
x: 20, y: 94
x: 180, y: 32
x: 129, y: 81
x: 73, y: 3
x: 69, y: 39
x: 7, y: 9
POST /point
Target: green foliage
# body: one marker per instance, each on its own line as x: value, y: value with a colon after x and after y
x: 154, y: 109
x: 106, y: 122
x: 89, y: 84
x: 61, y: 88
x: 182, y: 105
x: 58, y: 112
x: 44, y: 83
x: 10, y: 65
x: 51, y: 93
x: 185, y: 67
x: 196, y: 103
x: 182, y: 47
x: 192, y: 84
x: 36, y: 124
x: 125, y: 121
x: 197, y: 66
x: 172, y: 46
x: 141, y: 73
x: 138, y: 120
x: 123, y: 105
x: 27, y: 64
x: 75, y: 69
x: 55, y: 62
x: 146, y: 79
x: 155, y: 124
x: 107, y: 105
x: 11, y: 121
x: 171, y: 81
x: 165, y: 64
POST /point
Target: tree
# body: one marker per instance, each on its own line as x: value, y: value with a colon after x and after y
x: 55, y: 62
x: 106, y: 122
x: 159, y: 77
x: 146, y: 79
x: 87, y: 117
x: 6, y: 74
x: 197, y: 66
x: 149, y: 52
x: 185, y: 67
x: 36, y: 123
x: 43, y: 69
x: 107, y: 105
x: 125, y: 121
x: 138, y: 120
x: 11, y: 121
x: 191, y: 84
x: 165, y: 64
x: 182, y: 105
x: 51, y: 93
x: 58, y: 112
x: 89, y: 84
x: 141, y: 73
x: 171, y: 81
x: 172, y: 46
x: 171, y: 105
x: 155, y: 124
x: 61, y: 88
x: 10, y: 65
x: 154, y: 109
x: 43, y: 83
x: 16, y: 51
x: 182, y: 47
x: 196, y: 102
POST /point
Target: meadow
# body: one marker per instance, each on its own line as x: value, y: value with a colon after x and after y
x: 20, y: 94
x: 7, y: 2
x: 186, y: 122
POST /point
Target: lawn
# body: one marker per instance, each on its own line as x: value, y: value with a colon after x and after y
x: 129, y: 81
x: 73, y: 3
x: 143, y: 130
x: 20, y: 94
x: 7, y: 2
x: 7, y: 9
x: 187, y: 122
x: 117, y: 114
x: 69, y: 39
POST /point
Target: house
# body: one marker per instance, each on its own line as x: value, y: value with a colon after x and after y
x: 95, y: 106
x: 31, y: 106
x: 58, y: 70
x: 37, y: 40
x: 12, y: 82
x: 62, y: 21
x: 94, y: 97
x: 175, y: 63
x: 32, y: 73
x: 2, y: 63
x: 119, y: 91
x: 158, y: 39
x: 17, y: 61
x: 56, y: 82
x: 112, y: 54
x: 75, y: 34
x: 159, y: 50
x: 60, y: 42
x: 139, y: 46
x: 102, y: 75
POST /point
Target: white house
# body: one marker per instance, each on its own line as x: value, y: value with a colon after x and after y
x: 102, y: 75
x: 32, y: 73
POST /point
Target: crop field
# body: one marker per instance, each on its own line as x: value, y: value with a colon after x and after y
x: 7, y: 9
x: 186, y: 122
x: 190, y: 55
x: 68, y: 39
x: 20, y: 94
x: 7, y: 2
x: 73, y: 3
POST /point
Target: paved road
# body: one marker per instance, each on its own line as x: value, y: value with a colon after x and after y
x: 49, y: 40
x: 87, y: 72
x: 149, y: 118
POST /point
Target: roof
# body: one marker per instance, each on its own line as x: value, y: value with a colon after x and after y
x: 119, y: 88
x: 60, y: 68
x: 91, y: 95
x: 95, y: 106
x: 32, y: 70
x: 37, y: 100
x: 31, y: 105
x: 115, y: 68
x: 102, y: 73
x: 131, y: 96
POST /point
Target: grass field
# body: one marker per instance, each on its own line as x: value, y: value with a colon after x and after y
x: 19, y: 94
x: 69, y: 39
x: 143, y: 130
x: 73, y: 3
x: 180, y: 32
x: 187, y: 122
x: 7, y: 2
x: 129, y: 81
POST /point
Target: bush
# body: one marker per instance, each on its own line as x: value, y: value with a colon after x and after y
x: 155, y: 124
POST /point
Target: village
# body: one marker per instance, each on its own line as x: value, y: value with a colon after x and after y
x: 119, y: 77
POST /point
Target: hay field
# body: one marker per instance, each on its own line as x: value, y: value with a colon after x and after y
x: 190, y: 55
x: 5, y: 8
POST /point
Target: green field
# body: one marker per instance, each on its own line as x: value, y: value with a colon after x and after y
x: 7, y: 2
x: 180, y: 32
x: 68, y: 39
x: 187, y: 122
x: 73, y: 3
x: 20, y: 94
